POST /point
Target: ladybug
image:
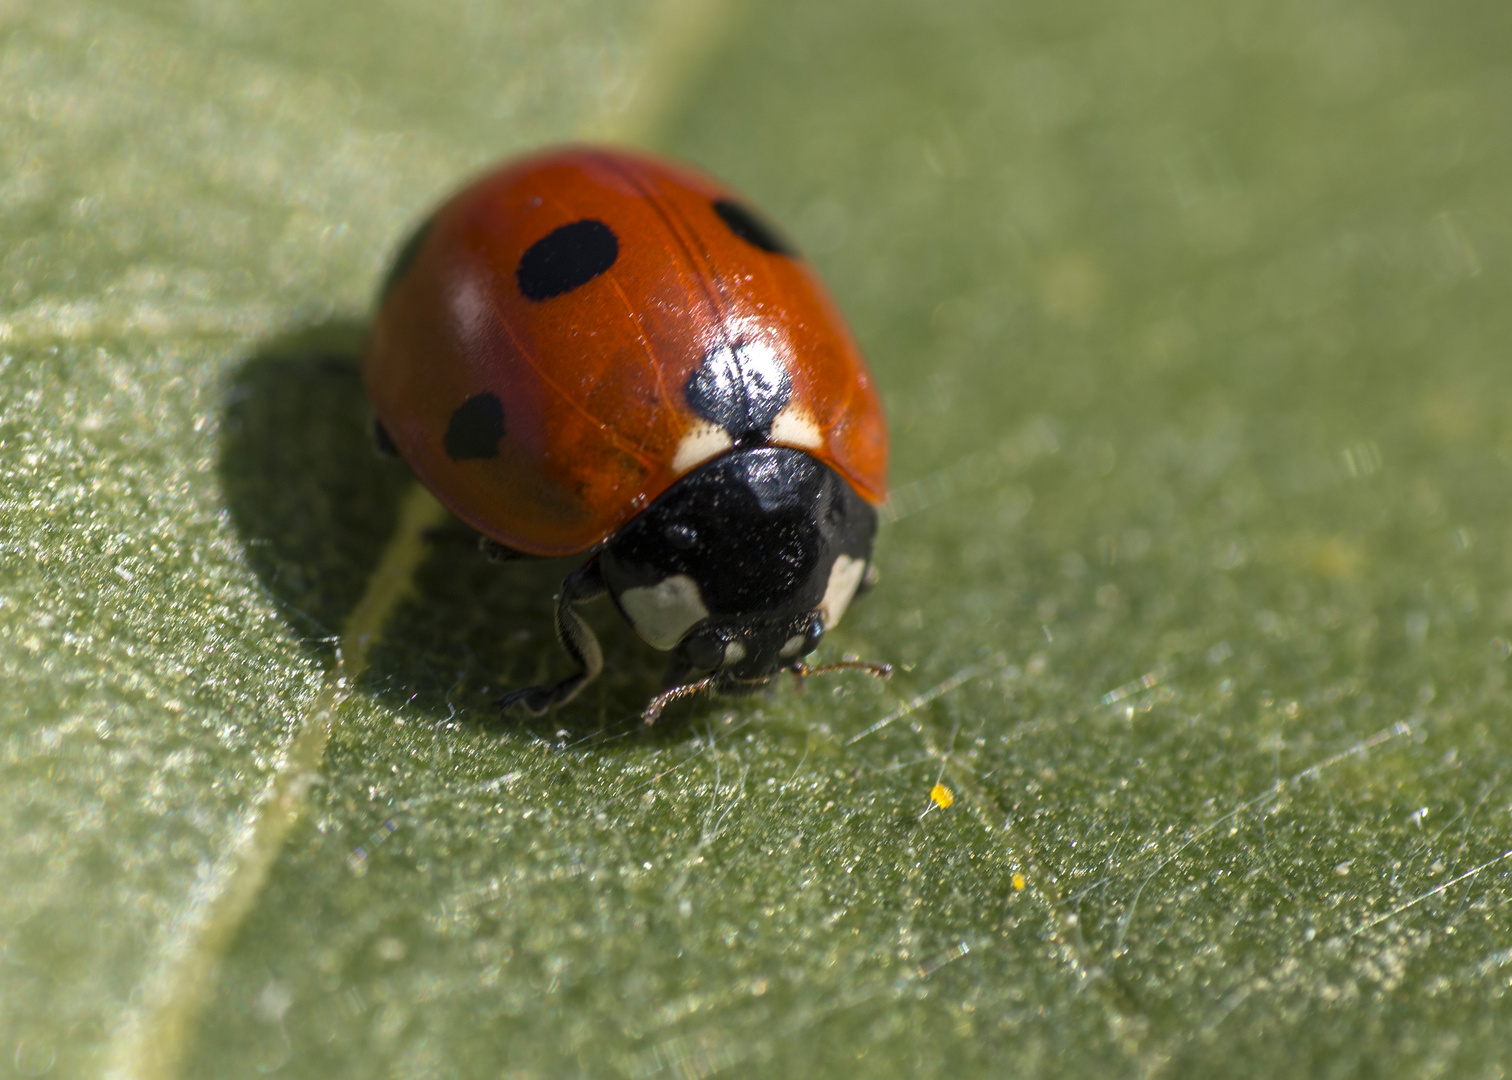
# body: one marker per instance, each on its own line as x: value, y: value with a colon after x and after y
x: 592, y: 351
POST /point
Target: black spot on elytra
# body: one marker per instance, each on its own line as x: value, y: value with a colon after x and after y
x: 741, y: 388
x: 752, y: 228
x: 565, y: 258
x: 409, y: 251
x: 475, y: 428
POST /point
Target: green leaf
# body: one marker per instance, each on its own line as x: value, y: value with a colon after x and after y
x: 1190, y: 325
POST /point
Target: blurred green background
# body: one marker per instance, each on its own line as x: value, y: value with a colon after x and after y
x: 1191, y: 320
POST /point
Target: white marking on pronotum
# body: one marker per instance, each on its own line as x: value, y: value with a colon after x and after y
x: 702, y: 443
x: 795, y: 427
x: 662, y: 613
x: 844, y: 580
x: 734, y: 652
x: 792, y: 647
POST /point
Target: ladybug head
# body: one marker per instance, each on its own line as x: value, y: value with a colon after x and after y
x: 741, y: 566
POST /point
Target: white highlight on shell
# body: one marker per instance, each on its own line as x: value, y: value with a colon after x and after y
x: 795, y: 427
x: 663, y: 613
x: 735, y: 652
x: 844, y: 580
x: 474, y: 308
x: 703, y: 443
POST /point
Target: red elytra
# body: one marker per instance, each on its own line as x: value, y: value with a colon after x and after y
x: 590, y: 422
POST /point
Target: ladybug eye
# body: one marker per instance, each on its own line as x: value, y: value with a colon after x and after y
x: 704, y: 651
x: 749, y: 226
x: 803, y: 642
x: 566, y: 258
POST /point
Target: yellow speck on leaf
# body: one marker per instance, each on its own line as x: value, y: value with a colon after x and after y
x: 1333, y: 557
x: 942, y: 796
x: 1019, y: 881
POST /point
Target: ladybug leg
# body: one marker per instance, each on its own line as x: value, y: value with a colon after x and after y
x: 496, y: 551
x: 382, y: 444
x: 582, y: 648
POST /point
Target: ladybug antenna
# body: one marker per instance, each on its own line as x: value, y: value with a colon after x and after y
x: 655, y: 706
x: 876, y: 670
